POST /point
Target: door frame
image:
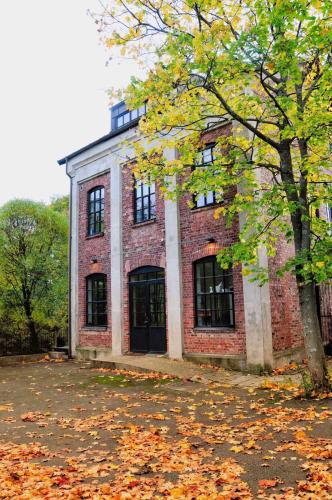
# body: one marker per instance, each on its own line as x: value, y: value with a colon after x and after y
x: 131, y: 285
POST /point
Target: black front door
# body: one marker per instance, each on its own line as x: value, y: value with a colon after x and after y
x: 147, y: 310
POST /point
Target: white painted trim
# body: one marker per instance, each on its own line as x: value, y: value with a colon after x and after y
x: 258, y: 321
x: 74, y: 267
x: 116, y: 259
x: 173, y: 274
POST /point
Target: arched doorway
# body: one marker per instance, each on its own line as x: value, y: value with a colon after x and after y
x: 147, y: 310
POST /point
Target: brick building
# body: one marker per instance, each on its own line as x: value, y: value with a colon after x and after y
x: 144, y: 275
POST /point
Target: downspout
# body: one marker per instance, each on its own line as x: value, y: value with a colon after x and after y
x: 69, y: 263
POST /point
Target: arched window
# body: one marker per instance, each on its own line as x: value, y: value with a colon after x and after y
x: 96, y: 300
x: 214, y: 298
x: 96, y: 211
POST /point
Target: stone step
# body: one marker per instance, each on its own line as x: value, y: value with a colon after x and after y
x: 100, y: 363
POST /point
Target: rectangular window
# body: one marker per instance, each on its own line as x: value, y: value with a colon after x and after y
x: 145, y: 201
x: 96, y: 211
x: 121, y: 116
x: 96, y: 300
x: 214, y: 294
x: 205, y: 158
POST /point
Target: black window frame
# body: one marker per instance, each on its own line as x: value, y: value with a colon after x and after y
x: 123, y: 117
x: 230, y: 311
x: 151, y: 208
x: 98, y: 318
x: 214, y: 201
x: 98, y: 225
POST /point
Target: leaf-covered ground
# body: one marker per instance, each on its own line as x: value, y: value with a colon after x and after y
x: 71, y: 432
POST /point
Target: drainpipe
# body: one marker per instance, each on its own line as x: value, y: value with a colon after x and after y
x: 69, y: 263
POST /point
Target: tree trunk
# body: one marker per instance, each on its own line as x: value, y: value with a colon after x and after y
x: 34, y: 347
x: 300, y: 219
x: 312, y: 336
x: 33, y: 336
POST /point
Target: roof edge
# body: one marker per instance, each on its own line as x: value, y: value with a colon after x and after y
x: 102, y: 139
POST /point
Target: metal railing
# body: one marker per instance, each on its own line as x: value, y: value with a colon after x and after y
x: 19, y: 343
x: 324, y: 309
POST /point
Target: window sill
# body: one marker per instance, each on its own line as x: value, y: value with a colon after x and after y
x: 98, y: 235
x: 218, y: 329
x: 94, y: 328
x: 144, y: 223
x: 207, y: 207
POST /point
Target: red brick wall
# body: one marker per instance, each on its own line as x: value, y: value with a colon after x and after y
x: 96, y: 247
x: 285, y: 308
x: 143, y: 244
x: 197, y: 225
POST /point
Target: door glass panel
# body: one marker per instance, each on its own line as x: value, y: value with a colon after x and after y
x: 157, y: 305
x: 139, y: 306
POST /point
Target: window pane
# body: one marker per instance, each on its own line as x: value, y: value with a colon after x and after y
x: 139, y: 204
x: 152, y: 199
x: 199, y: 270
x: 200, y: 302
x: 210, y: 198
x: 228, y: 282
x: 139, y: 216
x: 209, y: 284
x: 200, y: 285
x: 208, y: 268
x: 152, y: 212
x: 145, y: 189
x: 126, y: 118
x: 146, y: 202
x: 200, y: 318
x: 207, y: 155
x: 134, y: 114
x: 219, y: 285
x: 200, y: 201
x: 146, y: 214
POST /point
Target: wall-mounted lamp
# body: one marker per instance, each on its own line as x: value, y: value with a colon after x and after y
x: 210, y: 240
x: 94, y: 261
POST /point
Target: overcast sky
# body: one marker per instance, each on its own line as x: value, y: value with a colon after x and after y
x: 52, y: 92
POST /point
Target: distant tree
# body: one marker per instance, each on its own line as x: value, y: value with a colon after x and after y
x: 60, y: 204
x: 266, y: 67
x: 33, y: 264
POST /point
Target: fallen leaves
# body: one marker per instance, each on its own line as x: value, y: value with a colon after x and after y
x: 269, y: 483
x: 155, y: 444
x: 317, y: 449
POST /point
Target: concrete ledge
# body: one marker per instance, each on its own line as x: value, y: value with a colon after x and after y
x: 229, y: 362
x: 282, y: 358
x: 89, y: 353
x: 58, y: 355
x: 22, y: 358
